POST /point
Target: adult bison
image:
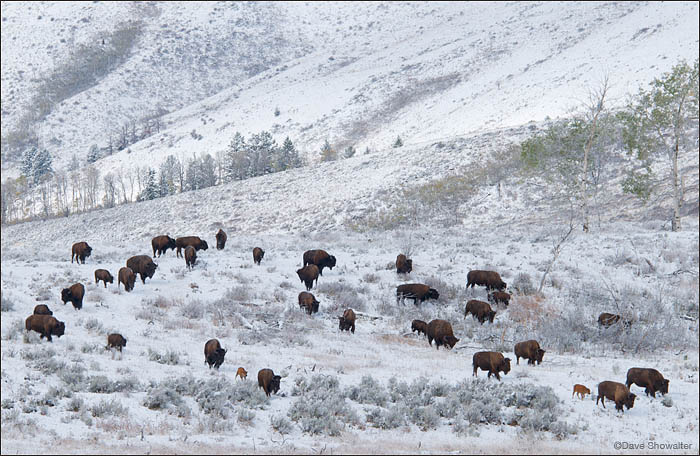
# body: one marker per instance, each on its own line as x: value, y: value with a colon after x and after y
x: 607, y: 319
x: 480, y: 310
x: 45, y: 325
x: 649, y: 379
x: 80, y: 251
x: 419, y: 326
x: 268, y: 381
x: 42, y: 309
x: 115, y: 341
x: 74, y: 294
x: 493, y: 362
x: 258, y: 255
x: 441, y: 332
x: 104, y: 276
x: 403, y: 264
x: 320, y: 258
x: 308, y: 301
x: 308, y: 274
x: 213, y: 353
x: 616, y: 392
x: 142, y: 265
x: 490, y: 279
x: 190, y: 256
x: 194, y: 241
x: 161, y: 244
x: 220, y: 239
x: 347, y: 321
x: 415, y: 291
x: 127, y: 277
x: 529, y: 350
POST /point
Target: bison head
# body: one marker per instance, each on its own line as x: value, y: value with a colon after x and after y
x: 505, y: 365
x: 491, y: 315
x: 66, y: 295
x: 314, y: 306
x: 629, y: 400
x: 433, y: 294
x: 274, y: 384
x: 217, y: 358
x: 203, y: 245
x: 331, y: 262
x: 662, y: 386
x: 450, y: 340
x: 171, y: 243
x: 87, y: 250
x: 539, y: 355
x: 59, y: 329
x: 343, y: 324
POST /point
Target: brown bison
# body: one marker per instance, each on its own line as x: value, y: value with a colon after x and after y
x: 308, y: 301
x: 161, y: 244
x: 529, y: 350
x: 127, y: 277
x: 104, y: 276
x: 42, y: 309
x: 242, y: 373
x: 320, y: 258
x: 190, y: 256
x: 420, y: 326
x: 490, y: 279
x: 45, y: 325
x: 80, y: 251
x: 608, y: 319
x: 415, y: 291
x: 213, y: 353
x: 480, y: 310
x: 194, y: 241
x: 308, y: 274
x: 580, y: 390
x: 142, y: 265
x: 221, y: 239
x: 74, y: 294
x: 347, y: 321
x: 258, y: 255
x: 493, y: 362
x: 499, y: 297
x: 441, y: 332
x: 268, y: 381
x: 115, y: 341
x: 649, y: 379
x: 403, y: 264
x: 616, y: 392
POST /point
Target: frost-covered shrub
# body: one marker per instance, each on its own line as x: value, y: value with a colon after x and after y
x: 368, y: 392
x: 102, y: 384
x: 667, y: 401
x: 522, y: 284
x: 93, y: 324
x: 370, y: 278
x: 238, y: 293
x: 281, y: 424
x: 321, y: 407
x: 15, y: 330
x: 245, y: 416
x: 170, y: 357
x: 75, y: 404
x: 193, y: 310
x: 6, y: 305
x: 449, y: 407
x: 108, y: 408
x: 389, y: 418
x: 160, y: 398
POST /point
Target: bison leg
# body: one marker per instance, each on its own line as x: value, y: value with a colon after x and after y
x: 353, y: 328
x: 517, y: 360
x: 498, y: 377
x: 475, y: 368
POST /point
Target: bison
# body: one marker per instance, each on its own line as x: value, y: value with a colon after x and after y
x: 115, y: 341
x: 142, y: 265
x: 529, y: 350
x: 161, y: 244
x: 441, y: 332
x: 258, y: 255
x: 308, y: 274
x: 213, y: 353
x: 403, y: 264
x: 320, y: 258
x: 580, y: 390
x: 80, y: 251
x: 104, y: 276
x: 268, y: 381
x: 649, y: 379
x: 420, y: 326
x: 74, y: 294
x: 221, y: 239
x: 616, y: 392
x: 242, y: 373
x: 308, y: 301
x: 347, y: 321
x: 194, y: 241
x: 45, y: 325
x: 493, y: 362
x: 490, y: 279
x: 480, y: 310
x: 415, y: 291
x: 190, y: 256
x: 499, y: 297
x: 608, y: 319
x: 42, y: 309
x: 127, y: 277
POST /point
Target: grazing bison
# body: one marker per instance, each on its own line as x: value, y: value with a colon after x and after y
x: 127, y: 277
x: 42, y: 309
x: 499, y: 297
x: 161, y: 244
x: 115, y: 341
x: 480, y: 310
x: 415, y: 291
x: 616, y: 392
x: 347, y: 321
x: 308, y: 301
x: 649, y: 379
x: 320, y: 258
x: 490, y: 279
x: 80, y: 251
x: 441, y: 332
x: 403, y: 264
x: 608, y: 319
x: 493, y: 362
x: 194, y: 241
x: 268, y: 381
x: 420, y: 326
x: 221, y: 239
x: 529, y: 350
x: 258, y: 255
x: 142, y: 265
x: 74, y: 294
x: 308, y: 274
x: 104, y: 276
x: 190, y: 256
x: 45, y: 325
x: 213, y: 353
x: 242, y: 373
x: 581, y: 391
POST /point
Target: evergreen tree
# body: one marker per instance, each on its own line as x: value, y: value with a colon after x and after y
x: 349, y: 151
x: 327, y: 152
x: 398, y: 142
x: 207, y: 172
x: 93, y: 154
x: 262, y: 147
x: 27, y: 164
x: 42, y: 165
x: 151, y: 191
x: 289, y: 157
x: 192, y: 174
x: 74, y: 163
x: 235, y: 159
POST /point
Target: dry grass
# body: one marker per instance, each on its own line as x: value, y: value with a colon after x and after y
x: 526, y: 310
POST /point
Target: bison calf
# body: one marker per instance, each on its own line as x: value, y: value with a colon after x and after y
x: 80, y: 251
x: 347, y: 321
x: 268, y: 381
x: 42, y: 309
x: 480, y: 310
x: 649, y: 379
x: 441, y: 332
x: 308, y: 274
x: 308, y: 301
x: 74, y: 294
x: 127, y: 277
x: 45, y: 325
x: 499, y: 297
x: 493, y: 362
x: 258, y: 255
x: 213, y: 353
x: 115, y: 341
x: 403, y: 264
x: 616, y: 392
x: 529, y: 350
x: 242, y: 373
x: 581, y: 391
x: 190, y: 256
x: 104, y: 276
x: 420, y: 326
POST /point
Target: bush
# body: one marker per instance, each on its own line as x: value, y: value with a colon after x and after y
x: 281, y: 424
x: 6, y: 305
x: 193, y: 310
x: 522, y: 284
x: 368, y: 392
x: 101, y: 384
x: 159, y: 398
x: 170, y: 357
x: 321, y: 407
x: 108, y: 408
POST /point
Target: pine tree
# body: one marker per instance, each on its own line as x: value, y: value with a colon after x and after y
x: 42, y: 165
x: 27, y: 164
x: 207, y: 172
x: 93, y: 154
x: 151, y: 191
x: 263, y: 148
x: 349, y: 151
x: 288, y: 157
x: 327, y: 152
x: 398, y: 142
x: 235, y: 162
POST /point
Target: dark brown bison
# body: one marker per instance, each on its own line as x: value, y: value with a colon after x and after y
x: 308, y: 274
x: 142, y: 265
x: 308, y: 301
x: 213, y: 353
x: 220, y: 239
x: 420, y: 326
x: 104, y: 276
x: 649, y: 379
x: 190, y: 256
x: 499, y: 297
x: 403, y: 264
x: 480, y: 310
x: 161, y: 244
x: 490, y: 279
x: 42, y: 309
x: 347, y: 321
x: 115, y: 341
x: 45, y: 325
x: 320, y: 258
x: 258, y: 255
x: 441, y: 332
x: 268, y: 381
x: 616, y: 392
x: 529, y: 350
x: 74, y: 294
x: 80, y: 251
x: 127, y: 277
x: 608, y: 319
x: 415, y: 291
x: 493, y: 362
x: 194, y: 241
